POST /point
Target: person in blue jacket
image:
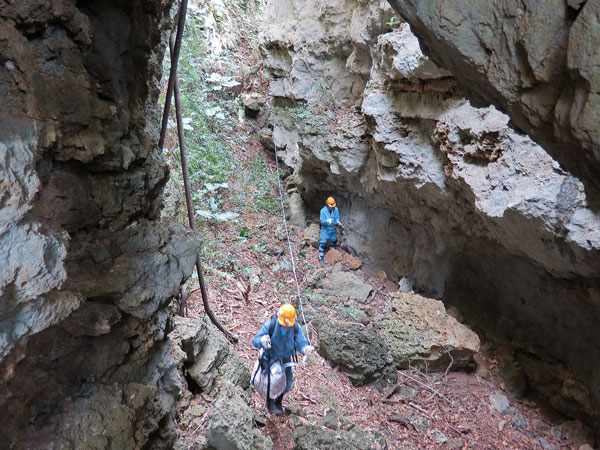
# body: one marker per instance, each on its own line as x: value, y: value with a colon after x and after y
x: 284, y: 339
x: 330, y: 217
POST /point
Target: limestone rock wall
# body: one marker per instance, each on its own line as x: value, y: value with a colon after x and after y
x: 87, y: 274
x: 537, y: 63
x: 320, y: 50
x: 435, y: 189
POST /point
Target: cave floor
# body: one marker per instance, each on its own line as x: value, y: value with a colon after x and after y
x: 453, y: 407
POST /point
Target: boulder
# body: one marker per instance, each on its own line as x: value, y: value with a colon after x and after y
x: 419, y: 333
x: 500, y: 403
x: 358, y: 350
x: 405, y: 285
x: 231, y: 424
x: 351, y: 262
x: 234, y: 370
x: 253, y: 103
x: 333, y: 256
x: 280, y: 232
x: 296, y: 210
x: 310, y: 437
x: 411, y: 331
x: 205, y: 368
x: 189, y: 334
x: 312, y: 235
x: 193, y: 415
x: 345, y: 285
x: 266, y: 139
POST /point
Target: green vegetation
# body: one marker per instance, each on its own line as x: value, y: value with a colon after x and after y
x: 302, y: 110
x: 211, y: 71
x: 264, y: 184
x: 394, y: 22
x: 210, y: 75
x: 219, y: 40
x: 210, y: 112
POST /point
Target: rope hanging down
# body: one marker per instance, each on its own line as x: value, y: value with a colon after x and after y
x: 287, y: 234
x: 173, y: 85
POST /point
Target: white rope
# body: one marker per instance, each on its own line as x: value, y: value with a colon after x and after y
x: 287, y: 234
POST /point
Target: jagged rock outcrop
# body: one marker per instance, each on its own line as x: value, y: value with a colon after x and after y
x: 231, y: 423
x: 88, y: 273
x: 539, y: 65
x: 433, y: 189
x: 230, y: 419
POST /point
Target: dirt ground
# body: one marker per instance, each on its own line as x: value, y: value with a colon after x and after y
x: 454, y: 404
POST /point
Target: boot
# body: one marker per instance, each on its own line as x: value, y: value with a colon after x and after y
x: 321, y: 260
x: 278, y: 404
x: 274, y: 407
x: 271, y: 405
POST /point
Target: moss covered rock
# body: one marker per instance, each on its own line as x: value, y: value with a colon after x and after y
x: 418, y: 332
x: 358, y: 350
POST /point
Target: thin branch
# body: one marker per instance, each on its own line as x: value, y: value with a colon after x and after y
x: 420, y: 409
x: 306, y: 397
x: 449, y: 365
x: 401, y: 420
x: 420, y: 383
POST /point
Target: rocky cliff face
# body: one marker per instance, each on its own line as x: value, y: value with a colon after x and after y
x: 538, y: 64
x: 88, y: 273
x: 435, y: 189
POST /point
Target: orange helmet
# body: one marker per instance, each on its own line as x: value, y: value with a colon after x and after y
x: 287, y: 315
x: 331, y: 202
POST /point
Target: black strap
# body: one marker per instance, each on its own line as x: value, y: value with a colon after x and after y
x: 268, y: 378
x: 272, y: 324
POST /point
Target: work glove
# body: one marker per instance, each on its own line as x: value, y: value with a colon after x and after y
x: 339, y: 224
x: 308, y: 350
x: 265, y: 341
x: 330, y: 221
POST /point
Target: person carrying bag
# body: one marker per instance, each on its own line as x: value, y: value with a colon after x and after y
x: 278, y: 340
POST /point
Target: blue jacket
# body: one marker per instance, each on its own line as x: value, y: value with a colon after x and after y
x: 282, y: 344
x: 326, y: 214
